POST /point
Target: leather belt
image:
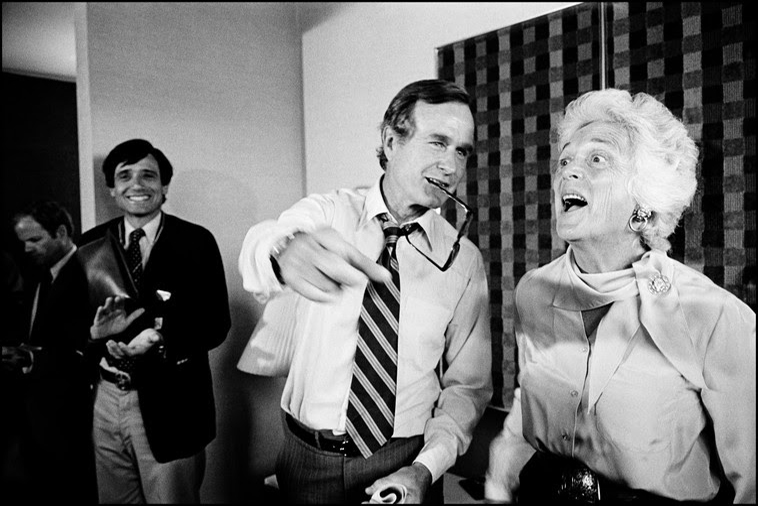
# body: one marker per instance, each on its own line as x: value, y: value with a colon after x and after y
x: 122, y: 380
x: 336, y: 444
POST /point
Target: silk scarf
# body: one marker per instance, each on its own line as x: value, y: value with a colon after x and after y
x: 644, y: 295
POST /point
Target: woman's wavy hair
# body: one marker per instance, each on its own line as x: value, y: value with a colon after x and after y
x: 664, y: 157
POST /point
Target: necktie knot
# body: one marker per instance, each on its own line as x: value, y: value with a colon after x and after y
x: 136, y: 235
x: 392, y: 232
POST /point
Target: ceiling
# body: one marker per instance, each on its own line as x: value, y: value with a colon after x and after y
x: 39, y: 39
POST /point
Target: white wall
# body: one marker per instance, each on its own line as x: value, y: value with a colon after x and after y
x: 357, y: 56
x: 216, y: 87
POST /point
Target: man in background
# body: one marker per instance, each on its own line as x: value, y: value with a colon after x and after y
x: 44, y: 368
x: 161, y: 290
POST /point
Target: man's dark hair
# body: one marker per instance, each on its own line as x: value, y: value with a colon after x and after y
x: 399, y: 114
x: 132, y: 151
x: 48, y: 213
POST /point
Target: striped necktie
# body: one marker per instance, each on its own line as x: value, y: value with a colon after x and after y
x: 371, y: 404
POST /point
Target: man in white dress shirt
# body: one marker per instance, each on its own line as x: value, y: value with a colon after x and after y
x: 325, y: 248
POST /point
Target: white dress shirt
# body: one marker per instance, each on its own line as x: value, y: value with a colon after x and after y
x: 152, y: 229
x: 443, y: 315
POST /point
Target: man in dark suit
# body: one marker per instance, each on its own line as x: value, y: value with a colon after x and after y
x: 45, y: 370
x: 159, y: 281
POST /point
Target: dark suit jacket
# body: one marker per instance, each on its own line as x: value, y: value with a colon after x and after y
x: 173, y: 380
x: 56, y: 395
x: 61, y: 326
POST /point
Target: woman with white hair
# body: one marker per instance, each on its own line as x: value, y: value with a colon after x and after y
x: 637, y: 374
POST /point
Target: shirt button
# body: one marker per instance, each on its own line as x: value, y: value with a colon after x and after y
x: 565, y: 436
x: 574, y: 393
x: 584, y: 349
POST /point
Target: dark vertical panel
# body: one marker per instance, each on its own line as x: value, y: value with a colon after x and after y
x: 40, y: 147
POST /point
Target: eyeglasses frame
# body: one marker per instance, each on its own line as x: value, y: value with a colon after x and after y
x: 461, y: 232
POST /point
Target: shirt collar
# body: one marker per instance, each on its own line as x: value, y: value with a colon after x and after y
x: 581, y: 291
x: 151, y: 228
x: 56, y: 269
x: 375, y: 205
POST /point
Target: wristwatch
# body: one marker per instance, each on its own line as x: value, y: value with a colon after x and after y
x: 277, y: 251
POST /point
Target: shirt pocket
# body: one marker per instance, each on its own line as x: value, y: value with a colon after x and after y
x: 422, y: 332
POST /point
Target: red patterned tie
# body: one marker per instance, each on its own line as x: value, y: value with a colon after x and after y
x: 371, y: 405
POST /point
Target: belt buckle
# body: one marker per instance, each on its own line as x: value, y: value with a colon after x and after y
x: 123, y: 382
x: 344, y: 447
x: 580, y: 484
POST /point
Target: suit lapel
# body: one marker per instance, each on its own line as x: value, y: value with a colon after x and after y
x: 39, y: 314
x: 46, y: 305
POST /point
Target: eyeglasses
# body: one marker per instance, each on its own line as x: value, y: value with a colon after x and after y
x: 461, y: 232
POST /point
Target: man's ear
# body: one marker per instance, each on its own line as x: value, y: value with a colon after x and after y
x: 112, y: 192
x: 61, y: 232
x: 390, y: 141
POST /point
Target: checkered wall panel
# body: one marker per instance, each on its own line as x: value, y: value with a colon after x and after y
x: 697, y: 58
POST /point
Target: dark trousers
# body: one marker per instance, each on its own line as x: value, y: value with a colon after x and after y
x: 308, y: 475
x: 45, y: 443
